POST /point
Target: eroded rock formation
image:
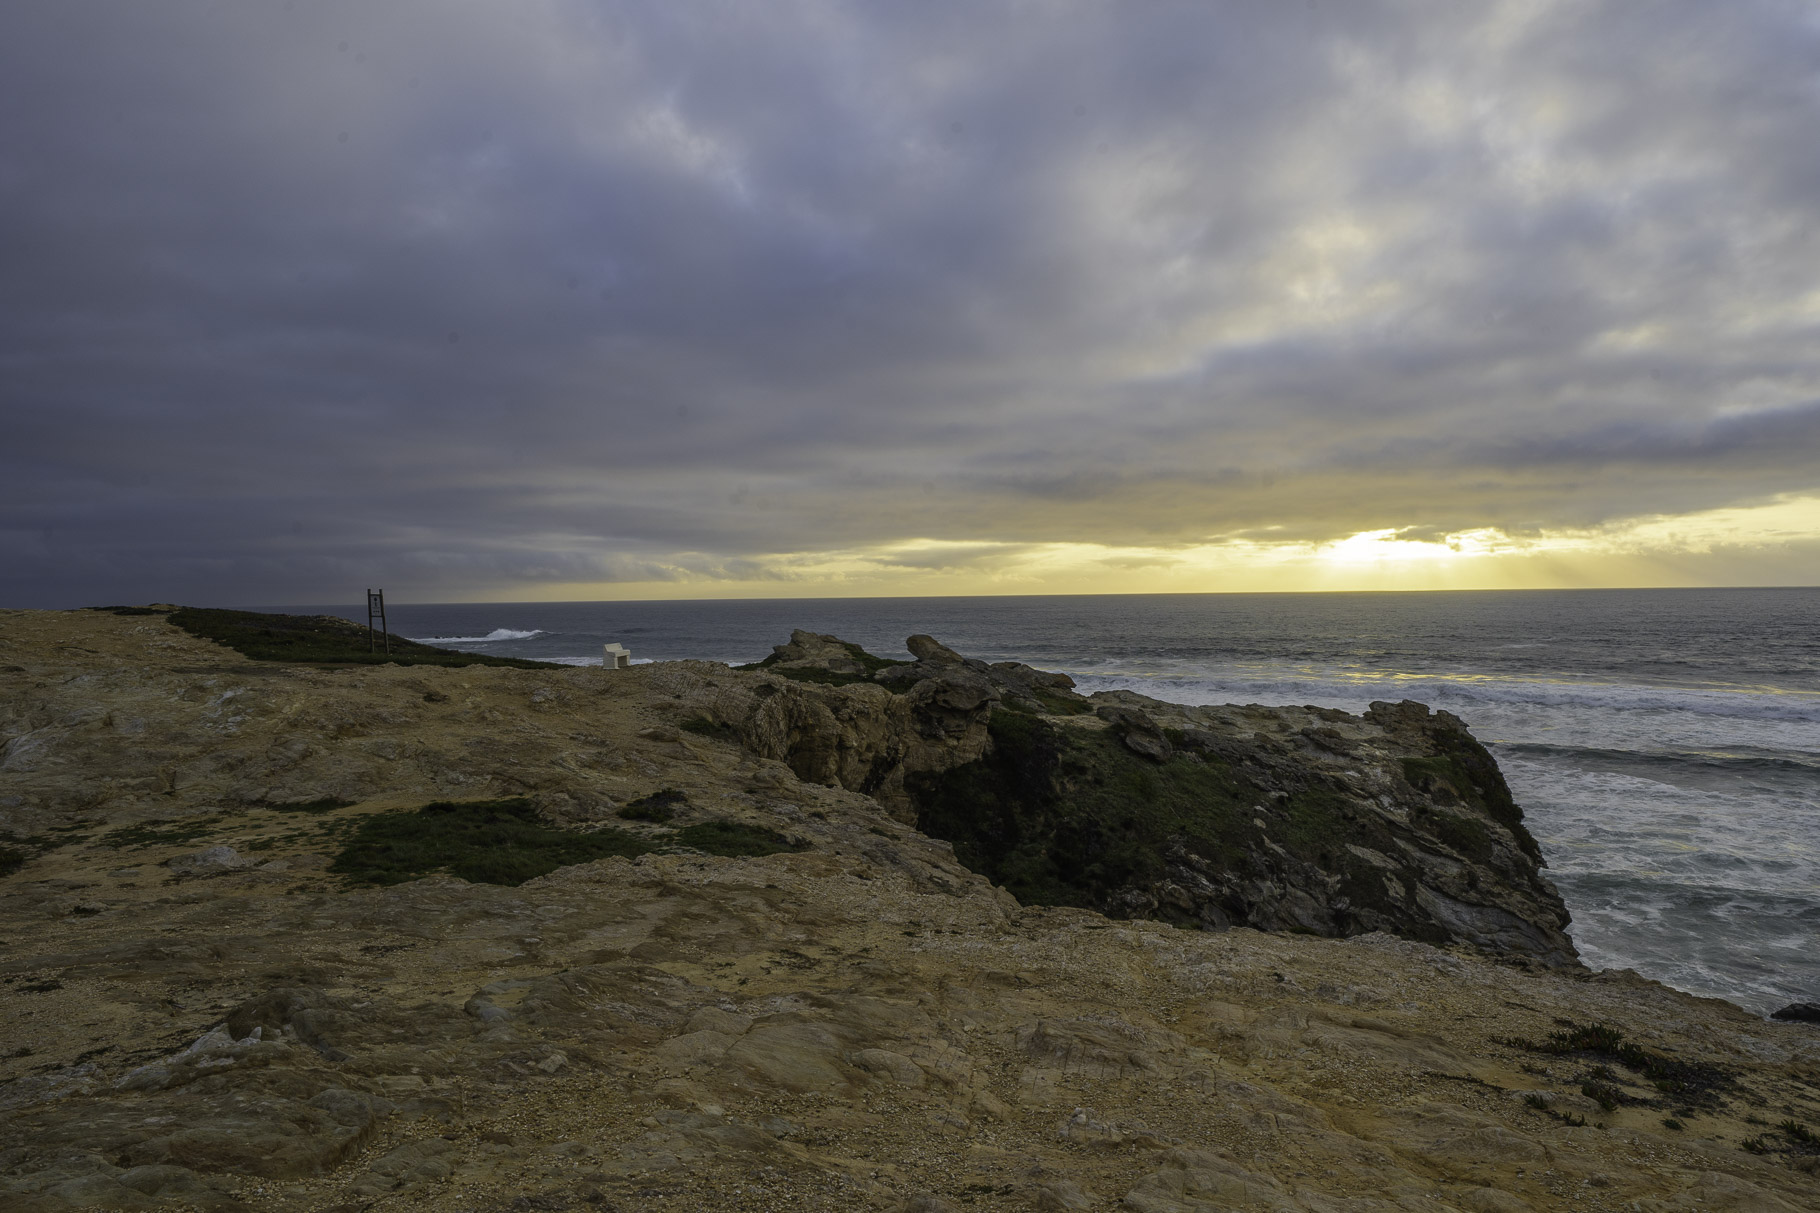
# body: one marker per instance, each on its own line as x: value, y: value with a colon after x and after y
x: 1302, y: 819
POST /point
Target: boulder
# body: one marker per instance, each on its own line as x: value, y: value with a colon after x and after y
x: 1798, y: 1012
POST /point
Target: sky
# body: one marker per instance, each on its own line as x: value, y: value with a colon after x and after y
x: 560, y: 299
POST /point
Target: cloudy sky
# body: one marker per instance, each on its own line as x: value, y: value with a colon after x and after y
x: 580, y: 299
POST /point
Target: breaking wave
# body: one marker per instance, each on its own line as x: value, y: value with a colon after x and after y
x: 492, y: 637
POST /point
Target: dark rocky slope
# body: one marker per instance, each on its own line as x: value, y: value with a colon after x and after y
x: 1296, y: 819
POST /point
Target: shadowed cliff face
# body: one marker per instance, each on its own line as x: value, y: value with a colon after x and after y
x: 1288, y: 819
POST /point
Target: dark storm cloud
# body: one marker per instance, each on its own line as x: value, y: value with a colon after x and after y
x: 299, y: 296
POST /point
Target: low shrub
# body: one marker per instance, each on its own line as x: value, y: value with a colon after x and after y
x: 732, y: 838
x: 484, y: 842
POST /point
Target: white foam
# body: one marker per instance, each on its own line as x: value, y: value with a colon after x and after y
x: 1339, y: 689
x: 497, y: 634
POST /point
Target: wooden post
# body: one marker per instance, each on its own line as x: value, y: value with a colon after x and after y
x: 376, y: 609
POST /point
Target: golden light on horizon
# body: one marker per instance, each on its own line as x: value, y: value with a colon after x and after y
x: 1655, y: 550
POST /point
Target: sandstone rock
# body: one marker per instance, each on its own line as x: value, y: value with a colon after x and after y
x: 928, y: 648
x: 867, y: 740
x: 790, y: 1056
x: 1061, y: 1196
x: 821, y: 652
x: 927, y: 1202
x: 1491, y: 1200
x: 1203, y: 1181
x: 715, y: 1019
x: 885, y: 1063
x: 1137, y: 730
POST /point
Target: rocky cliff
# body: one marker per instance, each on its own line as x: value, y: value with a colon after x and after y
x: 1299, y: 819
x: 238, y: 972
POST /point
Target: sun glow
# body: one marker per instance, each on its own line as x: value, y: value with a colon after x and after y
x: 1777, y: 543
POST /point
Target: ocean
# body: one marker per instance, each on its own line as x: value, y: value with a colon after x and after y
x: 1664, y: 744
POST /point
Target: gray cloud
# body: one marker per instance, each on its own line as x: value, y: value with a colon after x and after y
x: 460, y: 297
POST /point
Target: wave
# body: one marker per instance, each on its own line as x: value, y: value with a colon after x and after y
x: 1734, y: 759
x: 497, y: 634
x: 1791, y: 707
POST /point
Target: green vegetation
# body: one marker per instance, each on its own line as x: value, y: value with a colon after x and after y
x: 1057, y: 704
x: 731, y: 838
x: 658, y: 806
x: 1466, y: 835
x: 161, y: 833
x: 18, y: 850
x: 484, y: 842
x: 132, y: 610
x: 1064, y: 816
x: 1465, y: 772
x: 504, y: 842
x: 1693, y: 1084
x: 1604, y: 1094
x: 325, y: 804
x: 319, y: 639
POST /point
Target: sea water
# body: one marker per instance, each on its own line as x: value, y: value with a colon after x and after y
x: 1664, y: 744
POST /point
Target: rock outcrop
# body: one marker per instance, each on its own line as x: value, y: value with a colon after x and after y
x: 1299, y: 819
x: 863, y: 1024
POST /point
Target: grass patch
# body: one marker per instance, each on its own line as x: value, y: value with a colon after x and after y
x: 657, y: 807
x: 326, y: 804
x: 483, y: 842
x: 1057, y: 704
x: 732, y: 838
x: 1692, y: 1084
x: 320, y: 639
x: 131, y: 610
x: 18, y: 850
x: 161, y: 834
x: 1604, y: 1094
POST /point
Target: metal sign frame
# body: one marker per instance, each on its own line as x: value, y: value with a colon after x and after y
x: 376, y: 610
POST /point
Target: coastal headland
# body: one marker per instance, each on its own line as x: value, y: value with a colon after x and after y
x: 296, y: 931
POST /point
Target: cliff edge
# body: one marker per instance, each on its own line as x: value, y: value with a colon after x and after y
x: 308, y: 937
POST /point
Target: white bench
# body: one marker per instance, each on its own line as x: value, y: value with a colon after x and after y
x: 616, y: 656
